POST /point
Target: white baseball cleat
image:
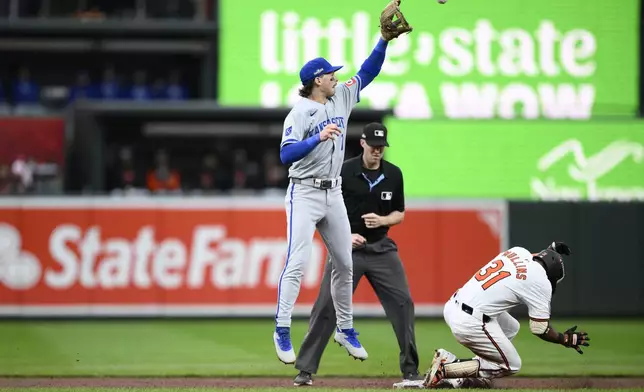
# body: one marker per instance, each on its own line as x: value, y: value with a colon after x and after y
x: 447, y: 356
x: 283, y: 346
x: 433, y: 376
x: 348, y: 338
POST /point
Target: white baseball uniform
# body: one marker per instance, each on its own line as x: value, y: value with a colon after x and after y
x: 510, y: 279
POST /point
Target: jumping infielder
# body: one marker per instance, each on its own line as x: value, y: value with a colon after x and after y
x: 478, y: 316
x: 313, y: 141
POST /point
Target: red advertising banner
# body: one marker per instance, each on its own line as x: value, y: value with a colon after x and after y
x: 40, y: 137
x: 216, y: 256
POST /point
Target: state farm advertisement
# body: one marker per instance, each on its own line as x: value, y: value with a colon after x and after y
x: 76, y: 256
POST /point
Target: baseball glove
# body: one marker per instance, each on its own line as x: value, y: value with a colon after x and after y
x: 390, y: 28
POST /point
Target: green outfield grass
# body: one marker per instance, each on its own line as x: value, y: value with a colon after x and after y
x: 244, y: 347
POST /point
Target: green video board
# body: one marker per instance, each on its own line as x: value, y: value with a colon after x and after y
x: 530, y: 160
x: 505, y: 59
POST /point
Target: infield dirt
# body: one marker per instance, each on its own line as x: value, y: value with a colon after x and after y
x: 324, y: 382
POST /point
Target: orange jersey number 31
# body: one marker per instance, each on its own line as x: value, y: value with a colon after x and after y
x: 491, y: 274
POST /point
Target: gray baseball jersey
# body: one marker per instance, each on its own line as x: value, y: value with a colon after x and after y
x: 308, y: 118
x: 308, y: 208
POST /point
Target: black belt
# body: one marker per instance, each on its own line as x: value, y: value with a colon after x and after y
x: 469, y: 310
x: 320, y: 183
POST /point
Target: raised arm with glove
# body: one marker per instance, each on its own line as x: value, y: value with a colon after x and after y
x: 390, y: 28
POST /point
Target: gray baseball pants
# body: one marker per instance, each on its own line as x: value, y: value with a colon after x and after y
x: 308, y: 209
x: 380, y: 263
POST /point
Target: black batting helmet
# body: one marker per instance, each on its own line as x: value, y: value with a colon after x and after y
x: 554, y: 265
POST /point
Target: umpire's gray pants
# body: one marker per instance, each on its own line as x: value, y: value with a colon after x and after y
x: 380, y: 264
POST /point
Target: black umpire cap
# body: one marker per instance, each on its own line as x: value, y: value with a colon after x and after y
x: 375, y: 134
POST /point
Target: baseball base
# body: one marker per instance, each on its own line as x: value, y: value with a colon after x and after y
x: 409, y: 384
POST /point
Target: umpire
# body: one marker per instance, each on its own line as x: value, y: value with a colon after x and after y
x: 374, y: 196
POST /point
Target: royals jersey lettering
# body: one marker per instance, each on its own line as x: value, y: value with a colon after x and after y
x: 510, y: 279
x: 308, y: 118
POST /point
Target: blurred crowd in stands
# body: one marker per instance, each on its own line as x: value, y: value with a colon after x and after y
x: 26, y: 175
x: 22, y: 94
x: 222, y: 170
x: 42, y: 82
x: 109, y: 9
x: 30, y: 80
x: 214, y: 172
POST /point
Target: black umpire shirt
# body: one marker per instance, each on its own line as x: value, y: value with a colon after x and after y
x: 380, y: 191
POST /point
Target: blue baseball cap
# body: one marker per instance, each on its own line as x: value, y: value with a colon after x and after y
x: 316, y: 67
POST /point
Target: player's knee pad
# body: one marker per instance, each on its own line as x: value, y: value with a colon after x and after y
x: 462, y: 369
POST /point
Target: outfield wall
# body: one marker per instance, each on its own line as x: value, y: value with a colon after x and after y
x: 222, y: 257
x: 604, y: 274
x: 210, y: 256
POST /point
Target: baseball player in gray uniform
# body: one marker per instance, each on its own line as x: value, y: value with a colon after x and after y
x: 313, y: 141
